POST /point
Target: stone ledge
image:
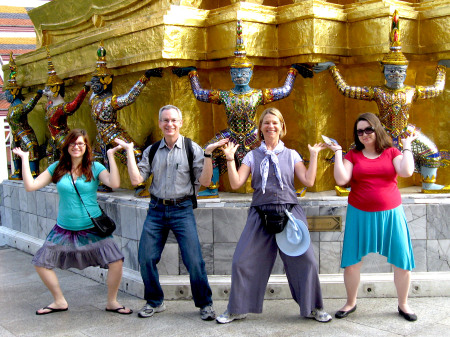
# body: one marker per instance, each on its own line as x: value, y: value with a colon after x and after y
x: 177, y: 287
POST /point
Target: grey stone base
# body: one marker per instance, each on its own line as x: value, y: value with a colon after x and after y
x: 27, y: 218
x: 176, y: 287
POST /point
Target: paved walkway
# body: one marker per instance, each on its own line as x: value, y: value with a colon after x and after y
x: 22, y: 292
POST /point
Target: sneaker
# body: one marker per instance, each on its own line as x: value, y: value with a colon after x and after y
x: 207, y: 313
x: 148, y: 311
x: 227, y: 318
x: 320, y: 315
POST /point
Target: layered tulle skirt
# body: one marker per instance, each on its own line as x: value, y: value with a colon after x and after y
x: 76, y: 249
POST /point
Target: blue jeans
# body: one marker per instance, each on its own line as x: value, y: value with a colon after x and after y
x: 180, y: 219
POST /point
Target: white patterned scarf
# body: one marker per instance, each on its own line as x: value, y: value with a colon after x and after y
x: 264, y: 167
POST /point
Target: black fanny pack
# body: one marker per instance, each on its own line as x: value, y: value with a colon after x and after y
x: 273, y: 221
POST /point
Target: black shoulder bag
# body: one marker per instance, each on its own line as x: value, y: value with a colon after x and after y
x: 103, y: 225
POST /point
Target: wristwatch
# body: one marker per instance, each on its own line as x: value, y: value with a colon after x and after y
x: 207, y: 155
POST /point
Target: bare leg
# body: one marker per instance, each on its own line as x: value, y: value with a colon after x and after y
x: 351, y: 281
x: 402, y: 280
x: 113, y: 282
x: 48, y: 276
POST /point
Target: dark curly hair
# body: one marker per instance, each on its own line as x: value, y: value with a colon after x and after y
x: 65, y: 162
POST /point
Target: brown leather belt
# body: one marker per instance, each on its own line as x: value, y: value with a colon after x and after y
x: 170, y: 202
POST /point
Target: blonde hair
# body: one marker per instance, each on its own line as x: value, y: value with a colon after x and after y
x: 276, y: 113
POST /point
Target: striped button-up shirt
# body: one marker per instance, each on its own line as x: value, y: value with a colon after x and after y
x: 170, y: 168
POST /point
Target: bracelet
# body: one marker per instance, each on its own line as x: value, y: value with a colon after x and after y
x: 337, y: 150
x: 406, y: 150
x: 206, y: 155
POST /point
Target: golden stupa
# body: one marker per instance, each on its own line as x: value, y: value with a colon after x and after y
x: 144, y: 34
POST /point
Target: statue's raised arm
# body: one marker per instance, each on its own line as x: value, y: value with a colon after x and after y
x: 363, y: 93
x: 130, y: 97
x: 241, y: 103
x: 275, y: 94
x: 431, y: 91
x: 104, y: 112
x: 23, y: 135
x: 57, y: 110
x: 394, y: 100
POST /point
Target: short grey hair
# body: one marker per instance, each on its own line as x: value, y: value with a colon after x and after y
x: 168, y: 107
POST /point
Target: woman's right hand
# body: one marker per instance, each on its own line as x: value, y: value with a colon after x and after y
x: 229, y: 149
x: 114, y: 149
x: 334, y: 147
x: 18, y: 152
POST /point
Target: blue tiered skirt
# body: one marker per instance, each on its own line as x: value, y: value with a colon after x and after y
x: 76, y: 249
x: 384, y: 232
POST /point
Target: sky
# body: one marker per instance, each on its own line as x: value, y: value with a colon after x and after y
x: 23, y: 3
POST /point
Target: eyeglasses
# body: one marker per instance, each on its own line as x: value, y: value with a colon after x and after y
x: 80, y: 145
x: 167, y: 121
x: 368, y: 131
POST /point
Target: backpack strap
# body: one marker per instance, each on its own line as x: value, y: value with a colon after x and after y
x: 190, y: 157
x: 152, y: 153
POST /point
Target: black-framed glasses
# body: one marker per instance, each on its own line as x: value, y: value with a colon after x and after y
x: 369, y: 130
x: 80, y: 145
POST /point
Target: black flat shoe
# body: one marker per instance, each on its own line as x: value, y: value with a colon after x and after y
x: 343, y: 314
x: 408, y: 317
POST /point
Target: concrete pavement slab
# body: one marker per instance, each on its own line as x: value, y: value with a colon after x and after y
x: 22, y: 293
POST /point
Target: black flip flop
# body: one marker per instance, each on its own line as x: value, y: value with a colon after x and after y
x: 52, y: 310
x: 117, y: 311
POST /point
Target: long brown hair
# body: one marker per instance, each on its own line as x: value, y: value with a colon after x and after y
x: 382, y: 141
x: 276, y: 113
x: 65, y: 161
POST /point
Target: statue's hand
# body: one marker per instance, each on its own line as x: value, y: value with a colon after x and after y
x: 444, y: 63
x: 319, y: 67
x: 88, y: 85
x: 156, y: 72
x: 303, y: 69
x: 180, y: 72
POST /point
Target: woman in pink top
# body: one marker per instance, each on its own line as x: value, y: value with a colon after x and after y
x: 375, y: 222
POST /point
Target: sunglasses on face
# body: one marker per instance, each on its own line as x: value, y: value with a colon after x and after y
x: 369, y: 130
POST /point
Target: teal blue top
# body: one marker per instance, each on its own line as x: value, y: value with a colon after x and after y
x: 71, y: 214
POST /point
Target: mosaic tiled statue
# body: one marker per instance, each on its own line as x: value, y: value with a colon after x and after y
x: 394, y: 100
x: 104, y: 112
x: 240, y: 105
x: 23, y: 135
x: 57, y: 110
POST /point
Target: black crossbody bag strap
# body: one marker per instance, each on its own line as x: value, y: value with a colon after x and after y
x: 76, y: 190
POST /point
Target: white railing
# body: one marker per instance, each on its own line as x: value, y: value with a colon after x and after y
x: 5, y: 148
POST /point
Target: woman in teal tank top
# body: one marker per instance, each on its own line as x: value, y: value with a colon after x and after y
x: 72, y: 243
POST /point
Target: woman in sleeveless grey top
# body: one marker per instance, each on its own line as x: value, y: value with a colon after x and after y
x: 273, y: 167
